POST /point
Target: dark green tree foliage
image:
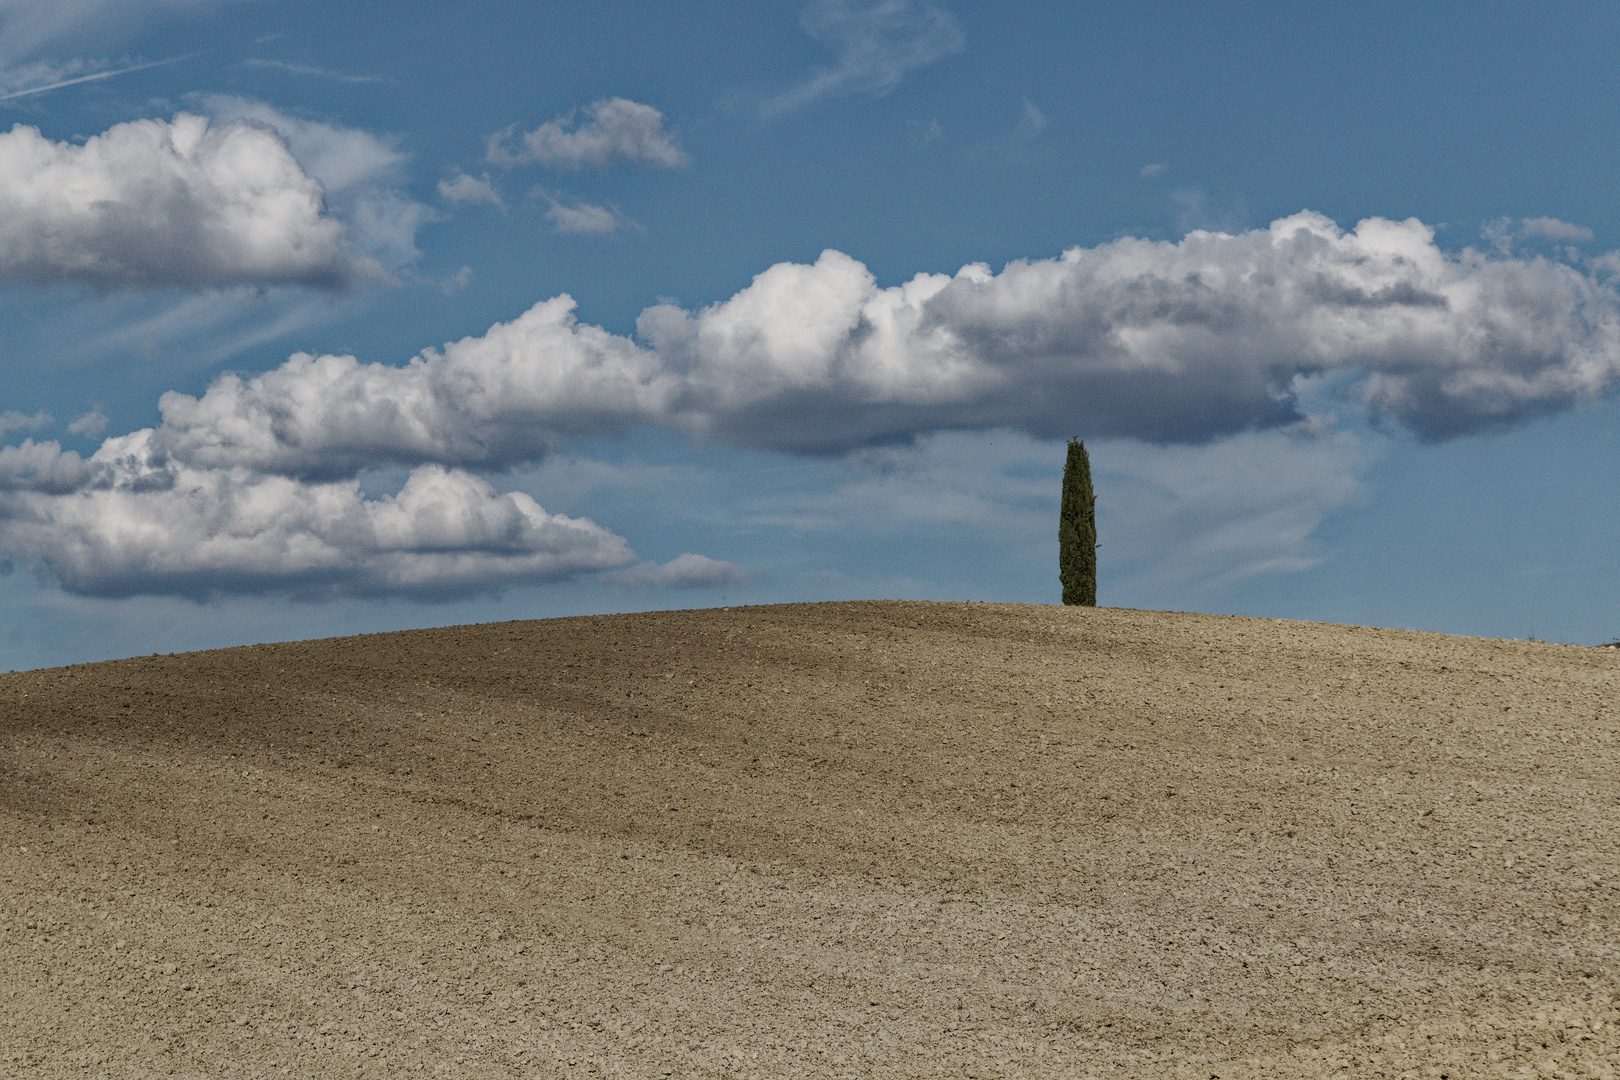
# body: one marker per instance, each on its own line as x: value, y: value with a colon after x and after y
x: 1077, y: 530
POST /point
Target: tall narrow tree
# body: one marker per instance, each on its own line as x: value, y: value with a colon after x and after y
x: 1077, y: 530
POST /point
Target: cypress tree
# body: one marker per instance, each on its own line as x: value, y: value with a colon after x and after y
x: 1077, y: 530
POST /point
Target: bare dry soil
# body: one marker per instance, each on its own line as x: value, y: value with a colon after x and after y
x: 843, y: 839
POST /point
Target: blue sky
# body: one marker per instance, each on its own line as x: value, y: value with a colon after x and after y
x: 320, y: 319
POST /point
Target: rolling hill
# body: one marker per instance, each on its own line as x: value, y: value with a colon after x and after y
x: 845, y: 839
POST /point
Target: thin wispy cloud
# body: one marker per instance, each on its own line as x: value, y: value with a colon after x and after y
x: 1031, y: 122
x: 1236, y: 508
x: 608, y: 132
x: 582, y: 218
x: 1197, y: 209
x: 12, y: 420
x: 1550, y: 228
x: 919, y: 134
x: 1176, y: 517
x: 95, y: 77
x: 457, y: 281
x: 313, y: 72
x: 462, y: 188
x: 37, y: 73
x: 875, y: 44
x: 198, y: 330
x: 90, y: 424
x: 1504, y: 232
x: 29, y: 26
x: 688, y: 571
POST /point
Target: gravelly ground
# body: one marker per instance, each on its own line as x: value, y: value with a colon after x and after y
x: 847, y: 839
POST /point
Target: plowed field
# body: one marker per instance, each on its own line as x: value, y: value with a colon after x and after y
x: 843, y: 839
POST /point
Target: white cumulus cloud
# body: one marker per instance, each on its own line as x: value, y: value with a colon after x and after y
x: 122, y: 524
x: 502, y: 397
x: 155, y: 203
x: 1215, y: 340
x: 1159, y: 341
x: 611, y: 131
x: 44, y: 467
x: 362, y: 176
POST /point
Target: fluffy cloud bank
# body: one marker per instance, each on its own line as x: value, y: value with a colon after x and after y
x: 43, y: 467
x: 155, y: 203
x: 123, y: 523
x: 1166, y: 342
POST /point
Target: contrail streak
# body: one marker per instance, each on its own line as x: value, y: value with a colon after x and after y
x: 93, y: 78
